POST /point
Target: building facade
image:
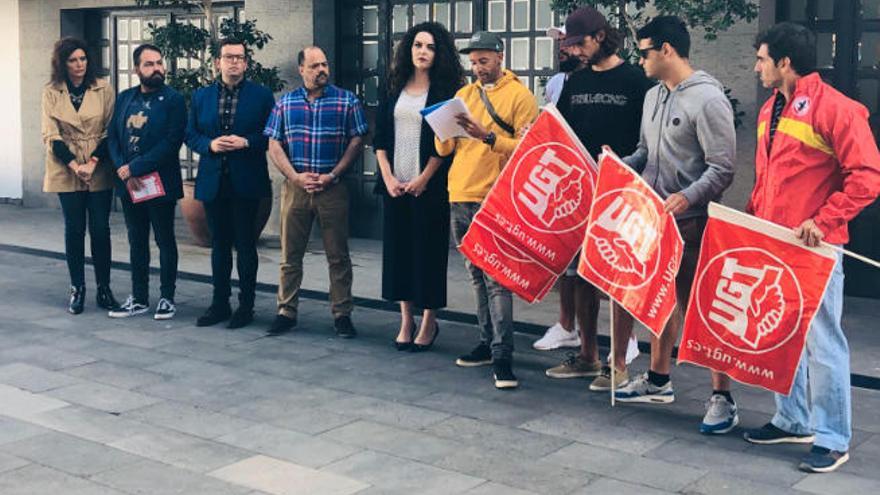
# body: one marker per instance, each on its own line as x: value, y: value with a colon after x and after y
x: 359, y: 37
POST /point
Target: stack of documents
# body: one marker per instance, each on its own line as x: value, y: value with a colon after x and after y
x: 441, y: 118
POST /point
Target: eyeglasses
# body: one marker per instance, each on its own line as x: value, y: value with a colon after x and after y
x: 234, y: 58
x: 643, y: 52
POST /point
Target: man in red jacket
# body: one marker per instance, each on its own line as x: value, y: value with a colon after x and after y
x: 816, y: 167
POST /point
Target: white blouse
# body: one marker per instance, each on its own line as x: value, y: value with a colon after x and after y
x: 408, y: 135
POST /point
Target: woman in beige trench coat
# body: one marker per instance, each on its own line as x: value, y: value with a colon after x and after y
x: 76, y: 109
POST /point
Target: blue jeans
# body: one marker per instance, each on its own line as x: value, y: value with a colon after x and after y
x: 825, y: 365
x: 494, y: 302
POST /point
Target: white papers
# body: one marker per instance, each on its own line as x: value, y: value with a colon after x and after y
x: 441, y: 118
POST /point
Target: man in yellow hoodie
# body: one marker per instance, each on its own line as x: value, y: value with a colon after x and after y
x: 500, y: 106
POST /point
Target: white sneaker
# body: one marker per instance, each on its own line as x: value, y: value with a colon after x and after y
x: 632, y: 350
x: 721, y: 416
x: 557, y: 337
x: 165, y: 310
x: 129, y: 308
x: 641, y: 389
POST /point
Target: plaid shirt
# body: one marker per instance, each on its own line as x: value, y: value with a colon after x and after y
x: 316, y: 134
x: 227, y: 103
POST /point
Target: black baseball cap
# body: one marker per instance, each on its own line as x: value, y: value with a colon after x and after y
x: 583, y: 22
x: 483, y: 40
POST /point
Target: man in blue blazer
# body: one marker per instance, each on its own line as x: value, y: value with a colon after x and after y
x: 226, y: 130
x: 144, y: 139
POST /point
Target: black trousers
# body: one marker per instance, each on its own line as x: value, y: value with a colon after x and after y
x: 139, y: 218
x: 82, y: 209
x: 232, y: 223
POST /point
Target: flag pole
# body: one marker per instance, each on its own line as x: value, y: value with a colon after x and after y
x: 613, y: 370
x: 863, y: 259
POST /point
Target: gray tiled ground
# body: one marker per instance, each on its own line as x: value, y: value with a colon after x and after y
x: 93, y: 406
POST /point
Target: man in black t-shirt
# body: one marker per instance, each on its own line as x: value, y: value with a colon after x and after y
x: 603, y: 104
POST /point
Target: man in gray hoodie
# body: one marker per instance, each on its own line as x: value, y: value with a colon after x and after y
x: 687, y: 148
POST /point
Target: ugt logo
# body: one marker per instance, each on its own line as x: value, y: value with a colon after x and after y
x: 749, y: 299
x: 549, y: 192
x: 626, y: 232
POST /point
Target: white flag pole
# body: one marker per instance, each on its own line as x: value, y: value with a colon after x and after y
x: 613, y: 370
x: 857, y: 256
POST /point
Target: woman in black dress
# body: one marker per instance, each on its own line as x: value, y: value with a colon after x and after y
x: 426, y: 70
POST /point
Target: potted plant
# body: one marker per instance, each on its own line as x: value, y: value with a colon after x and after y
x: 187, y: 41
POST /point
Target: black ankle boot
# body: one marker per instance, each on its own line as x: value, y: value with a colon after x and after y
x: 77, y: 299
x: 105, y: 298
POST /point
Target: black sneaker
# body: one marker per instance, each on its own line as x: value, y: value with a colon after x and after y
x: 822, y: 460
x: 241, y: 318
x: 502, y: 371
x: 481, y: 355
x: 770, y: 434
x: 214, y: 315
x: 344, y: 328
x: 105, y: 298
x: 129, y: 308
x: 165, y: 310
x: 281, y: 325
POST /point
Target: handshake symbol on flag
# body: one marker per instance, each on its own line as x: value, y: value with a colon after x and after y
x: 749, y: 311
x: 553, y: 189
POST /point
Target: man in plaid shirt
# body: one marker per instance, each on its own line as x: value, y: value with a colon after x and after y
x: 315, y: 133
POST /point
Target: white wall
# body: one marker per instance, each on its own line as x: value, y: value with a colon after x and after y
x: 10, y: 103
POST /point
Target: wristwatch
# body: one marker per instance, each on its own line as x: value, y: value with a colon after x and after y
x: 333, y: 177
x: 490, y: 139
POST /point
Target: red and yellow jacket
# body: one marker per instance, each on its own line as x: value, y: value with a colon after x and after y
x: 823, y: 165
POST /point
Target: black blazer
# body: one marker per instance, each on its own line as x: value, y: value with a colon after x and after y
x: 384, y: 139
x: 248, y: 169
x: 160, y: 141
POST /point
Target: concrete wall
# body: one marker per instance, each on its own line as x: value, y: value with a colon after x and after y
x: 10, y: 88
x: 730, y: 59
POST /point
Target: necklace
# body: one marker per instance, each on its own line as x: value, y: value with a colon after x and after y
x: 76, y: 99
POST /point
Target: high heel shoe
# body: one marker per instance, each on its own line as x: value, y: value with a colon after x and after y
x: 405, y: 346
x: 424, y: 347
x: 105, y: 298
x: 77, y: 299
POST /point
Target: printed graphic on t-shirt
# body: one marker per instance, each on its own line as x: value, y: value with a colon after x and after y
x: 135, y: 124
x: 619, y: 100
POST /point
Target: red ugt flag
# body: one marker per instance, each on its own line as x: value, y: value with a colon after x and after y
x: 632, y: 249
x: 506, y: 264
x: 756, y: 291
x: 540, y: 202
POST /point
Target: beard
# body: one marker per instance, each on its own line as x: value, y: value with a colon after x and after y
x: 569, y: 64
x: 154, y: 81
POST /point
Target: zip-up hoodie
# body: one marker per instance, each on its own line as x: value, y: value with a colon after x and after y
x: 687, y: 143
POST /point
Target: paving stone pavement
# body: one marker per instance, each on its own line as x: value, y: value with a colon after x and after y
x: 90, y: 405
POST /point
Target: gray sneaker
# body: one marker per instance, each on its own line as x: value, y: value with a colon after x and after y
x: 642, y: 390
x: 602, y: 383
x: 721, y: 416
x: 575, y: 366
